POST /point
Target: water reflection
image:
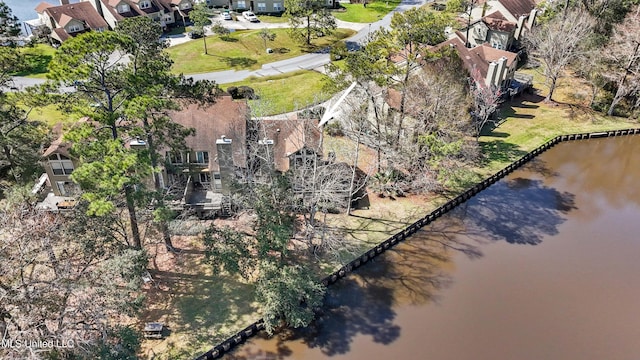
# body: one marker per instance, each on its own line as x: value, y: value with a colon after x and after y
x: 517, y: 210
x: 465, y: 288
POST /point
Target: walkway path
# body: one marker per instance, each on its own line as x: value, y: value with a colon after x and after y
x: 313, y: 61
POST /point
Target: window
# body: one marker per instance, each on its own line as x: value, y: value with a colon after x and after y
x: 122, y: 8
x: 75, y: 28
x: 202, y: 157
x: 277, y: 7
x: 175, y: 157
x: 217, y: 181
x: 329, y: 2
x: 241, y: 4
x: 262, y: 6
x: 168, y: 18
x: 145, y: 4
x: 205, y: 178
x: 497, y: 44
x: 60, y: 164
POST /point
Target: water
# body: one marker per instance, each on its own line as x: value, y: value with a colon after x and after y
x: 542, y: 265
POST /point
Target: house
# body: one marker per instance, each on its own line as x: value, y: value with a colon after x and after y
x: 69, y: 20
x: 223, y: 149
x: 176, y: 11
x: 494, y: 67
x: 216, y: 149
x: 294, y: 141
x: 509, y: 19
x: 114, y: 11
x: 493, y: 29
x: 59, y: 165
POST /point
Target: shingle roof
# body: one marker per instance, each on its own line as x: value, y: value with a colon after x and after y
x: 291, y: 136
x: 518, y: 7
x: 489, y: 54
x: 226, y: 117
x: 497, y: 21
x: 479, y: 57
x: 82, y: 11
x: 43, y: 5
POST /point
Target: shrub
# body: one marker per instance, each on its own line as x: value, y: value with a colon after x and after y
x: 242, y: 92
x: 334, y: 128
x: 338, y: 51
x: 314, y: 113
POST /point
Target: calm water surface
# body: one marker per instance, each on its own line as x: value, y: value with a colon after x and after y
x: 543, y: 265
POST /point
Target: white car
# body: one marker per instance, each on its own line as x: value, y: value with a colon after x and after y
x: 250, y: 16
x: 226, y: 16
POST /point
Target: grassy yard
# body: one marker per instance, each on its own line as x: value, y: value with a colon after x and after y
x: 52, y: 116
x: 242, y: 50
x: 529, y: 121
x: 374, y: 11
x: 199, y: 308
x: 285, y: 93
x: 272, y: 19
x: 36, y: 60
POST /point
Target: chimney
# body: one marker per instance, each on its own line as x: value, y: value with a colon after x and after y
x: 501, y: 70
x: 64, y: 2
x: 518, y: 32
x: 491, y: 73
x: 532, y: 18
x: 225, y: 162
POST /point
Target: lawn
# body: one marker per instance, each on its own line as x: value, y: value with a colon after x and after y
x: 36, y: 60
x: 243, y: 50
x: 272, y: 19
x: 374, y: 11
x: 285, y: 93
x: 52, y: 116
x: 199, y: 308
x: 529, y: 121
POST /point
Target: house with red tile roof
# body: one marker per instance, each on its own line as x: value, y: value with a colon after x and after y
x: 70, y: 20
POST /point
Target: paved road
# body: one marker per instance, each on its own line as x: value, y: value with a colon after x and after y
x: 306, y: 62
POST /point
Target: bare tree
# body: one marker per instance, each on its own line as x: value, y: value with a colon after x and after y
x: 63, y: 278
x: 559, y: 42
x: 486, y: 100
x: 622, y: 56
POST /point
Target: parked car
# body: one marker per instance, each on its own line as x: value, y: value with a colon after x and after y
x: 195, y: 34
x: 226, y: 16
x: 250, y: 16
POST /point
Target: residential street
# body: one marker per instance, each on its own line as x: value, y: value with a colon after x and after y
x: 307, y: 61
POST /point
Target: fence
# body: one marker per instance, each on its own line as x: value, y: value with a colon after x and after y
x: 217, y: 351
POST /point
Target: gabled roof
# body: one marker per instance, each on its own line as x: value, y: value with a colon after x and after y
x: 518, y: 8
x: 43, y: 5
x: 497, y: 21
x: 478, y: 58
x: 489, y: 54
x: 290, y: 136
x: 64, y: 20
x: 82, y: 11
x: 225, y: 117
